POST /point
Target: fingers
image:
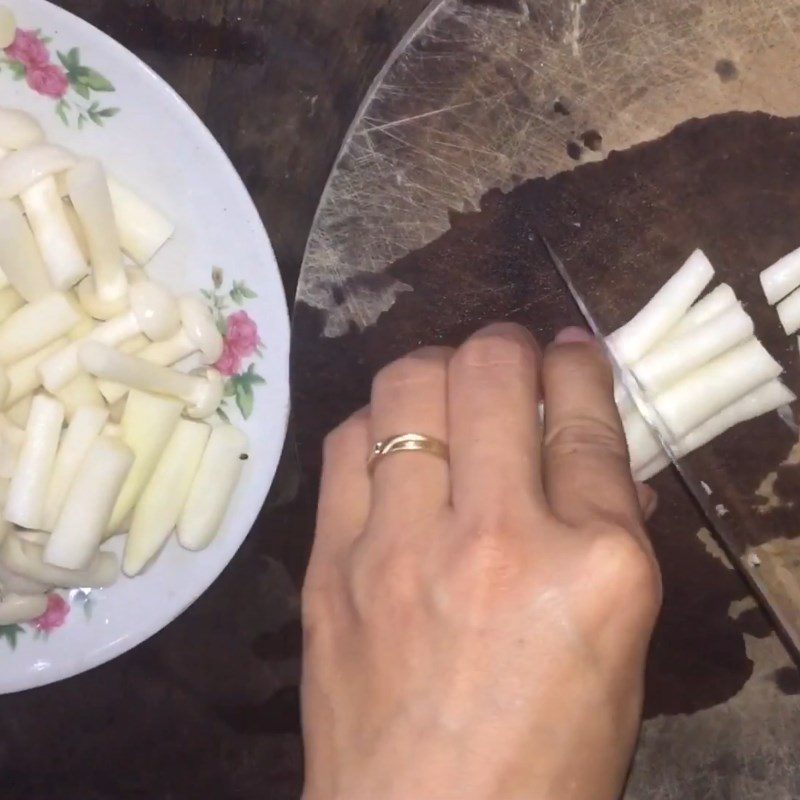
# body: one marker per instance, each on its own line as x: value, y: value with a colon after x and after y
x: 410, y: 396
x: 648, y: 499
x: 494, y: 425
x: 585, y: 458
x: 344, y: 496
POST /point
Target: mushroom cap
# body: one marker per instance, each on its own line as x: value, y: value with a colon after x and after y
x: 199, y: 326
x: 155, y: 309
x: 207, y: 396
x: 94, y: 306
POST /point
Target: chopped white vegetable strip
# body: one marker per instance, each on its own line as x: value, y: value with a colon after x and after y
x: 87, y: 424
x: 60, y: 250
x: 10, y: 301
x: 87, y: 508
x: 3, y: 280
x: 789, y: 312
x: 28, y: 490
x: 113, y: 430
x: 20, y: 259
x: 212, y: 487
x: 669, y: 361
x: 24, y: 168
x: 80, y: 392
x: 715, y: 302
x: 157, y: 512
x: 35, y: 325
x: 16, y: 608
x: 8, y: 29
x: 142, y: 229
x: 94, y: 306
x: 18, y: 413
x: 202, y: 394
x: 765, y: 398
x: 11, y: 439
x: 782, y: 277
x: 18, y: 129
x: 23, y: 375
x: 147, y: 424
x: 663, y: 311
x: 700, y: 395
x: 88, y: 191
x: 27, y: 559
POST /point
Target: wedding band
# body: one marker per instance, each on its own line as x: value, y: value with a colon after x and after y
x: 407, y: 443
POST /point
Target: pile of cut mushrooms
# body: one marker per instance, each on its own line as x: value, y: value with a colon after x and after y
x: 108, y: 396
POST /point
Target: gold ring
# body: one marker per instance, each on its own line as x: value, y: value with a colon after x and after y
x: 407, y: 443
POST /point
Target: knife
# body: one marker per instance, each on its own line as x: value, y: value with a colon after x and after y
x: 769, y: 589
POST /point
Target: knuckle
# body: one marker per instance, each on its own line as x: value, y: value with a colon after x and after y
x: 585, y: 434
x: 407, y: 373
x: 626, y: 569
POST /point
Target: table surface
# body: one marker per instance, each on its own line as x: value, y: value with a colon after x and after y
x: 209, y: 707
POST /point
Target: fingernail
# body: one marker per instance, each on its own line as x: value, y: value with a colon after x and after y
x: 573, y: 335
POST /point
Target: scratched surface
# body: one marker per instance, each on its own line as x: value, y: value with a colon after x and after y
x: 411, y: 246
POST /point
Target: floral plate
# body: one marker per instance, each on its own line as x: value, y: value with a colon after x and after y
x: 95, y: 97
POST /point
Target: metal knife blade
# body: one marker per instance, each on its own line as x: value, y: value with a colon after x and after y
x: 785, y: 613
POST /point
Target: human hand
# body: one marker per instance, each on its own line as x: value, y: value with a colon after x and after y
x: 478, y: 628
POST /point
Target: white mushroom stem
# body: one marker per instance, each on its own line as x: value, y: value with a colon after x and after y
x: 28, y: 489
x: 80, y: 392
x: 20, y: 259
x: 88, y: 505
x: 198, y: 334
x: 35, y: 325
x: 88, y: 191
x: 201, y: 394
x: 667, y: 362
x: 10, y: 301
x: 663, y: 311
x: 212, y: 488
x: 153, y: 310
x: 60, y: 250
x: 147, y: 424
x: 762, y: 400
x: 94, y: 306
x: 77, y: 229
x: 83, y: 431
x: 24, y: 168
x: 18, y: 129
x: 142, y: 229
x: 699, y: 396
x: 27, y: 559
x: 15, y: 608
x: 789, y: 312
x: 23, y: 375
x: 18, y: 584
x: 160, y: 505
x: 782, y: 277
x: 714, y: 303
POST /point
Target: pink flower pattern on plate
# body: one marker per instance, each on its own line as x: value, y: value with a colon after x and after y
x: 242, y: 334
x: 28, y: 49
x: 54, y: 616
x: 48, y: 80
x: 230, y: 363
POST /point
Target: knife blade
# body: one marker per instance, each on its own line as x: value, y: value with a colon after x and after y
x: 783, y: 610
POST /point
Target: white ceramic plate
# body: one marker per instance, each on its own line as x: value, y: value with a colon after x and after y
x: 149, y: 138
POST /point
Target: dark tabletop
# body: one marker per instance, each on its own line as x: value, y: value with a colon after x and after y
x: 208, y: 707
